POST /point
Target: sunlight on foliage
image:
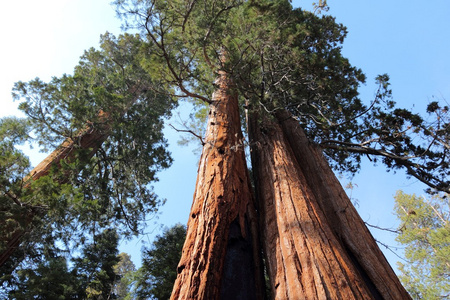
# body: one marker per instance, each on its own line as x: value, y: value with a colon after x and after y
x: 425, y: 231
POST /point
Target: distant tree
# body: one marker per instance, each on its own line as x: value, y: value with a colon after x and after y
x: 125, y: 276
x: 155, y: 279
x: 96, y: 265
x: 425, y: 232
x: 93, y: 274
x: 49, y: 279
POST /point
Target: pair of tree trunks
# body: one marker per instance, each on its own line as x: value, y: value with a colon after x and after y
x: 316, y: 246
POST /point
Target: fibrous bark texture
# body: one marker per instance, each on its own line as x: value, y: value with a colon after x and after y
x: 345, y: 222
x: 220, y: 258
x: 304, y: 258
x: 305, y: 253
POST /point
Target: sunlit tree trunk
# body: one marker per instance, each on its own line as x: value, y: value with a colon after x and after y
x: 342, y: 217
x: 220, y: 258
x: 305, y: 254
x: 89, y: 139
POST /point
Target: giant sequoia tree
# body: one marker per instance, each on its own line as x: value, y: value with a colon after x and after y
x: 280, y: 67
x: 300, y: 97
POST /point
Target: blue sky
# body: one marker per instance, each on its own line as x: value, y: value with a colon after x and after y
x: 406, y: 39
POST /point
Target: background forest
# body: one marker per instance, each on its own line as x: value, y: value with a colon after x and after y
x: 407, y: 42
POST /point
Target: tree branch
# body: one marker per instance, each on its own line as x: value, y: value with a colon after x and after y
x: 188, y: 131
x: 411, y: 167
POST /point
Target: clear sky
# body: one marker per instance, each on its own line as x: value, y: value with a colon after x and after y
x: 409, y: 40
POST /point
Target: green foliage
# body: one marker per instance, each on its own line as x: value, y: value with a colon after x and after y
x: 110, y: 92
x: 125, y: 273
x: 297, y: 65
x: 50, y: 279
x: 277, y: 56
x: 425, y: 231
x: 321, y: 6
x: 14, y: 130
x: 14, y: 165
x: 282, y: 58
x: 93, y: 275
x: 98, y: 271
x: 158, y: 273
x: 110, y: 80
x: 96, y: 266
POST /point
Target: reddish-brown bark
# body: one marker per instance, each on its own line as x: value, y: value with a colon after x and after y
x: 340, y: 214
x: 304, y: 258
x: 220, y: 258
x: 89, y: 139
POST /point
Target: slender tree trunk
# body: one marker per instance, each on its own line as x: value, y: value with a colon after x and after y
x: 220, y: 258
x: 352, y: 234
x: 89, y: 138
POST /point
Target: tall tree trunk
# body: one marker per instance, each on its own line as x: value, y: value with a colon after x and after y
x: 340, y: 214
x: 304, y: 258
x: 88, y: 139
x: 220, y: 258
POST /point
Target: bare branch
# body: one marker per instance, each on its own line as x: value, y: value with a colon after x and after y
x: 188, y: 131
x: 382, y: 228
x: 15, y: 199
